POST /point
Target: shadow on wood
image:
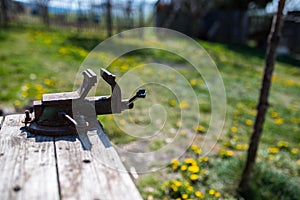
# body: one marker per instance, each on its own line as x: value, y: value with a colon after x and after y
x: 82, y: 136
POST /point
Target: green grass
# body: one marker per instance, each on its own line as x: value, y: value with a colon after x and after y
x: 34, y: 61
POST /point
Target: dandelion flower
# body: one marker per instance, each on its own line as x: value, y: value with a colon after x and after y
x: 234, y: 129
x: 175, y: 164
x: 196, y: 149
x: 249, y: 122
x: 218, y: 194
x: 183, y: 167
x: 200, y: 129
x: 190, y: 188
x: 184, y: 105
x: 295, y: 150
x: 174, y: 188
x: 278, y: 121
x: 172, y: 103
x: 211, y: 192
x: 199, y: 195
x: 203, y: 159
x: 122, y: 122
x: 273, y: 150
x: 185, y: 196
x: 193, y: 82
x: 283, y: 144
x: 193, y: 169
x: 274, y: 114
x: 177, y: 183
x: 194, y: 177
x: 190, y: 161
x: 229, y: 153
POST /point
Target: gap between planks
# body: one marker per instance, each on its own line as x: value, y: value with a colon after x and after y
x: 76, y: 167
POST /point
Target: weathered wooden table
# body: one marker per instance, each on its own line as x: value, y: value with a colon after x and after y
x: 84, y: 166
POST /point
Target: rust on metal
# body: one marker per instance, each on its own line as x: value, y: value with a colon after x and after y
x: 54, y: 114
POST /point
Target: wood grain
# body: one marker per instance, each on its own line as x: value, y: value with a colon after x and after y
x: 93, y: 168
x: 84, y: 166
x: 28, y: 167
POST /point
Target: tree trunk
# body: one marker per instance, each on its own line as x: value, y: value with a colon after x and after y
x: 262, y: 106
x: 44, y: 13
x: 108, y: 18
x: 4, y: 19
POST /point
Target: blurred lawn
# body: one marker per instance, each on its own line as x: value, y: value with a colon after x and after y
x: 34, y: 61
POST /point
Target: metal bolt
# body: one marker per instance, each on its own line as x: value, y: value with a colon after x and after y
x: 27, y: 117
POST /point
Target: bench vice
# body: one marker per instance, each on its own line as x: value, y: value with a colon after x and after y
x: 60, y: 114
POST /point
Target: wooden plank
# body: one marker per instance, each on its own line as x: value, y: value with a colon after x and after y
x: 90, y: 168
x: 27, y: 163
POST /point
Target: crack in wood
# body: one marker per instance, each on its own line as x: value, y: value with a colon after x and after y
x: 57, y: 172
x: 40, y: 167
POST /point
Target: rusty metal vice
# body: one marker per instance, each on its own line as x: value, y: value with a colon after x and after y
x: 60, y: 114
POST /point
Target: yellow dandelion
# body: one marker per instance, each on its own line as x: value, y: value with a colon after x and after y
x: 229, y: 153
x: 17, y: 103
x: 38, y: 87
x: 49, y: 82
x: 25, y: 87
x: 294, y: 120
x: 252, y: 112
x: 63, y: 51
x: 194, y: 177
x: 177, y: 183
x: 185, y: 196
x: 273, y: 150
x: 200, y: 129
x: 298, y: 162
x: 193, y: 169
x: 196, y: 149
x: 234, y: 129
x: 278, y: 121
x: 295, y: 150
x: 190, y: 161
x: 235, y: 138
x: 211, y: 192
x: 124, y: 68
x: 249, y: 122
x: 240, y: 105
x: 241, y: 147
x: 193, y: 82
x: 274, y: 114
x: 199, y: 195
x: 122, y: 122
x: 283, y: 144
x: 175, y: 164
x: 190, y: 188
x: 218, y: 194
x: 174, y: 188
x: 24, y: 94
x: 203, y: 159
x: 172, y: 103
x: 289, y: 82
x: 183, y: 167
x: 184, y: 105
x: 47, y: 41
